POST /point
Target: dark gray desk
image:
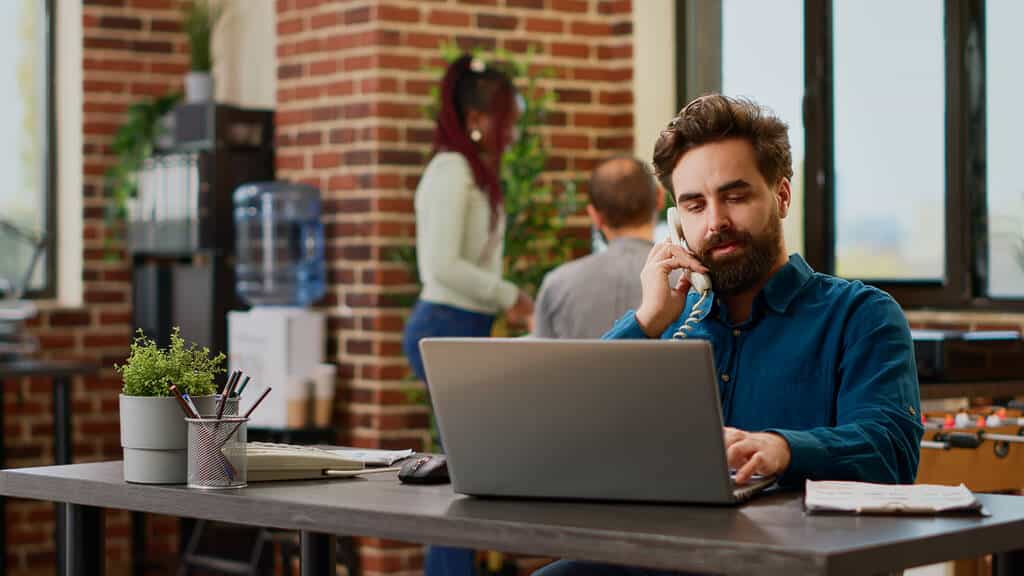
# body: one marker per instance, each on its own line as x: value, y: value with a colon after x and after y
x: 60, y: 373
x: 769, y: 536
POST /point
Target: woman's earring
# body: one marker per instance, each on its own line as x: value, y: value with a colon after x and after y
x: 476, y: 135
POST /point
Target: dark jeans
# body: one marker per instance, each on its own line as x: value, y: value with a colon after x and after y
x: 439, y: 320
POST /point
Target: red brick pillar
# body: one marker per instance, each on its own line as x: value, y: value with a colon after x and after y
x: 352, y: 81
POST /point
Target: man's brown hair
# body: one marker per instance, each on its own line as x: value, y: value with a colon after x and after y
x: 713, y: 118
x: 624, y: 192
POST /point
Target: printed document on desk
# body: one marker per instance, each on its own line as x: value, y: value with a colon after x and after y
x: 866, y: 498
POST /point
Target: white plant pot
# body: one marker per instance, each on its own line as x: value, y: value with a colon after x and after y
x: 155, y: 438
x: 198, y: 87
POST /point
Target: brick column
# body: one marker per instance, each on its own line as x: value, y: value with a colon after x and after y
x: 351, y: 85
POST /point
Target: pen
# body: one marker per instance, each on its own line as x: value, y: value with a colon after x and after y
x: 195, y: 409
x: 242, y: 387
x: 247, y: 413
x: 232, y: 376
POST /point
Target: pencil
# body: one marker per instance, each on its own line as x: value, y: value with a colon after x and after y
x: 227, y: 392
x: 247, y: 413
x: 181, y: 401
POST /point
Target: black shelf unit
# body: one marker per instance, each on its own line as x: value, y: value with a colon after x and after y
x: 183, y: 273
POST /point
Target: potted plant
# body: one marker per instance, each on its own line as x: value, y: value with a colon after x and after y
x: 153, y: 431
x: 133, y: 142
x: 199, y: 18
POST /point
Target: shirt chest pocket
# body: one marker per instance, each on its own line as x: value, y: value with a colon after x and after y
x: 796, y: 394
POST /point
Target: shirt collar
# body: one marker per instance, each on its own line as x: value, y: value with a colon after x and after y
x: 627, y: 241
x: 786, y: 283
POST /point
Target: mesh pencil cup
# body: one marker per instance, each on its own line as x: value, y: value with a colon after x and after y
x: 230, y: 408
x: 216, y: 452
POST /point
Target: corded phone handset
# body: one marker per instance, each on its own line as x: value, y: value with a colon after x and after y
x: 700, y: 282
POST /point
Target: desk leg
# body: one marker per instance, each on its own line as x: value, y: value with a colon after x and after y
x: 317, y: 554
x: 61, y: 455
x: 3, y: 500
x: 1008, y: 563
x: 84, y: 552
x: 62, y: 419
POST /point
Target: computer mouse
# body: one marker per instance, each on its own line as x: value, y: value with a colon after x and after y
x: 427, y: 469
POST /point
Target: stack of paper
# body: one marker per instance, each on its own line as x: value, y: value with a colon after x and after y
x: 865, y: 498
x: 371, y: 457
x: 268, y: 461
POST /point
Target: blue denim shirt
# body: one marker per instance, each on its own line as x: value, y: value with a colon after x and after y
x: 826, y: 363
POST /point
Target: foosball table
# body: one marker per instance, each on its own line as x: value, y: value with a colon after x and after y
x: 981, y: 447
x: 976, y: 438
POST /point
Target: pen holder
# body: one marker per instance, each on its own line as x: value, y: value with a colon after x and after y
x: 216, y: 453
x: 230, y: 409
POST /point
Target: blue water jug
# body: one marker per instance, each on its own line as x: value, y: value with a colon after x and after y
x: 279, y: 244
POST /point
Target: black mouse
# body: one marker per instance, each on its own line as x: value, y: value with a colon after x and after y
x: 425, y: 469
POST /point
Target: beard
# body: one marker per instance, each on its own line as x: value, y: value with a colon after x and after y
x: 752, y: 262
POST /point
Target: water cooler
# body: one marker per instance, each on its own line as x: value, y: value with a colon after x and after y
x: 279, y: 271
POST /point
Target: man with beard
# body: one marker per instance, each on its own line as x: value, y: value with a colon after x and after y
x: 816, y: 374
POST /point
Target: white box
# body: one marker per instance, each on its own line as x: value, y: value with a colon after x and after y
x: 275, y: 346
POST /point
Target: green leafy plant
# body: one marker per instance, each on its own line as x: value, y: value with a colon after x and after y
x: 150, y: 370
x: 535, y: 239
x: 133, y: 143
x: 198, y: 20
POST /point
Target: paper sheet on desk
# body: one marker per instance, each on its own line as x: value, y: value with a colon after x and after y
x: 372, y: 457
x: 865, y: 498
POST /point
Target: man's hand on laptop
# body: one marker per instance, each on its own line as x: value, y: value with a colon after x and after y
x: 760, y: 453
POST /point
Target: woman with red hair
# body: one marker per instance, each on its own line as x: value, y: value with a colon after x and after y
x: 460, y: 230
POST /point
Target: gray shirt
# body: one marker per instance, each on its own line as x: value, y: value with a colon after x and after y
x: 583, y: 298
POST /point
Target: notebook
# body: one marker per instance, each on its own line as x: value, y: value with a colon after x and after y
x: 270, y: 461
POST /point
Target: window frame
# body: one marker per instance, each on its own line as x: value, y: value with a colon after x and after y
x: 966, y: 239
x: 49, y: 287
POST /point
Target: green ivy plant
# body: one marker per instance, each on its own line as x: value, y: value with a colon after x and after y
x: 198, y: 20
x: 133, y: 143
x: 150, y: 370
x: 535, y: 239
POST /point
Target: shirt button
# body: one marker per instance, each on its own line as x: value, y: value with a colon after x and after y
x: 736, y: 332
x: 725, y: 377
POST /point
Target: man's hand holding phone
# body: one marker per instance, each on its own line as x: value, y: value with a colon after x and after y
x: 662, y: 303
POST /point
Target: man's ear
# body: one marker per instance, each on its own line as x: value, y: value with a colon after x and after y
x: 595, y: 217
x: 783, y: 195
x: 661, y: 199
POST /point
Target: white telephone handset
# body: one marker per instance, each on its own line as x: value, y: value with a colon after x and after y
x: 700, y: 282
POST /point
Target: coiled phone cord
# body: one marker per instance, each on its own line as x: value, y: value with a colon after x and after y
x: 692, y: 319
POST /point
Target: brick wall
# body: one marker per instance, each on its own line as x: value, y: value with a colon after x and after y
x: 351, y: 83
x: 131, y: 49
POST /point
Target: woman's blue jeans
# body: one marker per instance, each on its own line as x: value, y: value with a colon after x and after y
x: 439, y: 320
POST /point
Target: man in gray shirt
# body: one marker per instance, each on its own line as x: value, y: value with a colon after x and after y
x: 583, y: 298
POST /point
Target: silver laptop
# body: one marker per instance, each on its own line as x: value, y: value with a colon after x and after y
x: 586, y: 419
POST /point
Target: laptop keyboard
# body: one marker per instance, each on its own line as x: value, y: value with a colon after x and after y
x: 743, y: 492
